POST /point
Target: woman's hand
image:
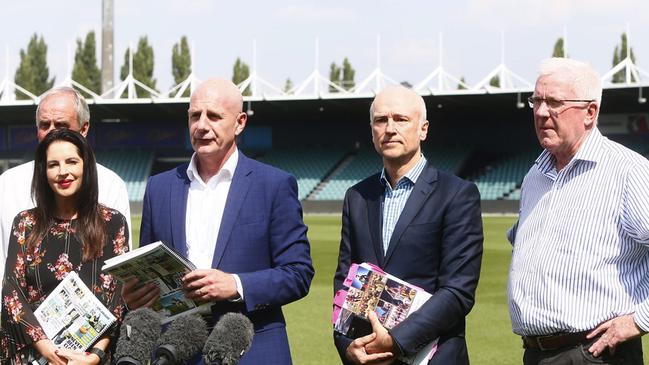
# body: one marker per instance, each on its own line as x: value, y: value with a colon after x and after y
x: 78, y: 358
x: 47, y: 349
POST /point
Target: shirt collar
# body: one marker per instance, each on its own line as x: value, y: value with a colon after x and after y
x: 589, y: 151
x: 228, y: 167
x: 412, y: 175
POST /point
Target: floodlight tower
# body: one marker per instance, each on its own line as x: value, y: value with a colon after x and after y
x: 107, y: 51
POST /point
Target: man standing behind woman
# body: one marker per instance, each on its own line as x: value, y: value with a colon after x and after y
x: 60, y: 107
x: 68, y: 230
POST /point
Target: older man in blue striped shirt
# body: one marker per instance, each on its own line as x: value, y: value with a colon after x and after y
x: 579, y: 277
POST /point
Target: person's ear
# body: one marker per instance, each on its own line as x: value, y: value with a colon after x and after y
x: 241, y: 121
x: 423, y: 130
x: 85, y: 126
x: 591, y: 115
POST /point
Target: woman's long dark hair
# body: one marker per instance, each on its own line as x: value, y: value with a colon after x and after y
x: 90, y: 227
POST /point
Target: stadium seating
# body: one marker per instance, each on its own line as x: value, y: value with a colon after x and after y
x: 448, y: 159
x: 361, y: 165
x: 308, y: 165
x: 133, y: 167
x: 514, y: 195
x: 325, y: 174
x: 502, y: 179
x: 367, y: 162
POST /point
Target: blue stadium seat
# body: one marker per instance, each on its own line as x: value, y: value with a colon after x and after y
x: 502, y: 179
x: 308, y: 165
x: 134, y: 167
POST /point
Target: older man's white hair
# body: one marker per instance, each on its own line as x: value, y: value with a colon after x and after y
x: 80, y: 106
x: 586, y: 82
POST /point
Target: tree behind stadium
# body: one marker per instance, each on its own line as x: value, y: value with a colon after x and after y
x: 240, y: 72
x: 334, y: 77
x: 85, y: 70
x: 559, y: 50
x: 143, y: 61
x: 33, y: 73
x: 495, y: 81
x: 619, y: 54
x: 181, y: 62
x: 460, y: 85
x: 348, y: 75
x: 342, y: 76
x: 288, y: 86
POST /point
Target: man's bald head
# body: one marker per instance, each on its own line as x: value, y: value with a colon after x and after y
x: 402, y: 94
x: 222, y: 90
x: 398, y: 123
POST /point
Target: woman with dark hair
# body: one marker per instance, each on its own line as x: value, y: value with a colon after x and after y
x: 68, y: 230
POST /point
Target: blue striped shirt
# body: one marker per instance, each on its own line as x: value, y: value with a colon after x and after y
x: 580, y: 253
x: 394, y: 199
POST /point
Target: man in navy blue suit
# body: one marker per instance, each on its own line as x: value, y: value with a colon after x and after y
x: 238, y: 220
x: 419, y: 224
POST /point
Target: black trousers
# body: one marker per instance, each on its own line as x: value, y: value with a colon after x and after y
x: 627, y: 353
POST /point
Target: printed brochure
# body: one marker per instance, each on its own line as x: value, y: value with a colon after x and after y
x: 368, y: 288
x: 157, y: 263
x: 72, y: 317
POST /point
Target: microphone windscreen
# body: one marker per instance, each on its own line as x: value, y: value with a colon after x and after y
x: 230, y: 339
x: 186, y: 335
x: 138, y: 335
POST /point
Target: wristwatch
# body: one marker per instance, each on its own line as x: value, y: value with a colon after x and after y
x: 99, y: 352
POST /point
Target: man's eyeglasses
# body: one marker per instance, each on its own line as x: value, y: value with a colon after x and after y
x: 554, y: 104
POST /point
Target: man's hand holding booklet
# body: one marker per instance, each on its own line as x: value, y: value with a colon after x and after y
x: 158, y: 264
x: 370, y: 289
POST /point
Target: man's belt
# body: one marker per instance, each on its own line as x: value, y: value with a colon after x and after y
x: 554, y: 342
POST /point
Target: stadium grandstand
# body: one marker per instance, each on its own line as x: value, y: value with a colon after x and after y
x: 482, y: 133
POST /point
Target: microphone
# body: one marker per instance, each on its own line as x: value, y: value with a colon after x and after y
x: 229, y: 340
x: 182, y: 340
x: 137, y: 337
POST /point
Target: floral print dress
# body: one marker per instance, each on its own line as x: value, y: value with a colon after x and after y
x: 31, y: 274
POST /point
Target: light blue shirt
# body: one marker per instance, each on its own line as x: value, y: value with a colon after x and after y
x: 394, y: 199
x: 580, y: 254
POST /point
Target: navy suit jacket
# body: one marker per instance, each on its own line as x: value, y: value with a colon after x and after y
x: 436, y: 245
x: 262, y: 238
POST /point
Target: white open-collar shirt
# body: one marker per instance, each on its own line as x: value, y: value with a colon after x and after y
x: 205, y: 205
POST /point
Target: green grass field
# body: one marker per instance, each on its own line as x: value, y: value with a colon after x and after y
x: 489, y: 335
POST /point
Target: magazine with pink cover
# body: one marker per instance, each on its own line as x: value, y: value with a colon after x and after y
x: 368, y: 288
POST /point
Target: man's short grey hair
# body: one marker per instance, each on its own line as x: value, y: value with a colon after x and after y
x: 80, y: 105
x: 586, y: 82
x: 421, y: 105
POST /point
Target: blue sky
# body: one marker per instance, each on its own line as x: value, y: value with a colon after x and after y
x: 285, y: 33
